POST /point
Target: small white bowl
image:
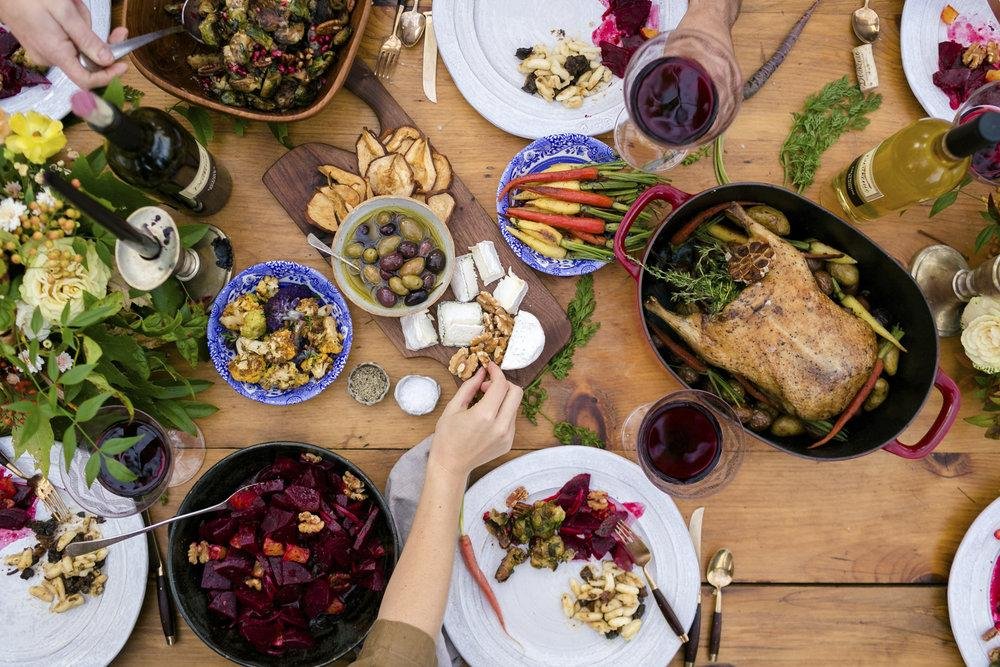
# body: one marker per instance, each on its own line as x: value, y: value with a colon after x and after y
x: 345, y: 235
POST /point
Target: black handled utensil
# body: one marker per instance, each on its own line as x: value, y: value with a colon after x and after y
x: 694, y: 632
x: 720, y: 575
x: 163, y: 599
x: 641, y: 555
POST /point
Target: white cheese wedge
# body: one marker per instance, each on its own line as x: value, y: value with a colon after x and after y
x: 510, y: 292
x: 418, y: 330
x: 526, y: 342
x: 487, y: 261
x: 464, y: 282
x: 459, y: 323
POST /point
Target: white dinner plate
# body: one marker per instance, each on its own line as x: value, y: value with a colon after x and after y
x: 53, y: 99
x: 90, y: 635
x: 530, y: 599
x: 477, y: 39
x: 920, y: 31
x: 969, y: 587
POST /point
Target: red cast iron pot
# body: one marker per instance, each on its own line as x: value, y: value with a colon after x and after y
x: 891, y: 288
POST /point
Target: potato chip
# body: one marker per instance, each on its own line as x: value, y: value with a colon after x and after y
x: 391, y: 175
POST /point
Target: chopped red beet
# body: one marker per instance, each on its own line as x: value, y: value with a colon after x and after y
x: 630, y: 15
x: 305, y: 499
x: 224, y: 604
x: 955, y: 79
x: 296, y: 554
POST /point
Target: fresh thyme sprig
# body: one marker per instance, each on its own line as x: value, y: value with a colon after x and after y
x: 571, y: 434
x: 707, y: 283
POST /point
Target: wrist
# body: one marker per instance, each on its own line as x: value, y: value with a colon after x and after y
x: 445, y: 474
x: 723, y: 10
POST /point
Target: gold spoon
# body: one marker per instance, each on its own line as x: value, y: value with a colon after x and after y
x: 720, y: 575
x: 865, y: 23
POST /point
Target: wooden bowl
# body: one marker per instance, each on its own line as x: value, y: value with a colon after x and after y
x: 164, y: 62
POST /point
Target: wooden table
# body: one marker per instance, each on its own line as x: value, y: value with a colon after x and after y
x: 841, y: 563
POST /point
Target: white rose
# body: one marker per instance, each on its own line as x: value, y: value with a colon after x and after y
x: 981, y: 340
x: 51, y: 288
x: 979, y: 306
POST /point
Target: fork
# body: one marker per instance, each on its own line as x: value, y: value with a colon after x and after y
x: 641, y: 555
x: 43, y: 489
x: 391, y: 47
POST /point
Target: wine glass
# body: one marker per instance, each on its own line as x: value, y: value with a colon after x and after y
x: 986, y: 163
x: 689, y: 443
x: 159, y: 458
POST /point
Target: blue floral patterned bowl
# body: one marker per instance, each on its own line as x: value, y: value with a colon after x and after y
x: 223, y: 352
x: 537, y: 156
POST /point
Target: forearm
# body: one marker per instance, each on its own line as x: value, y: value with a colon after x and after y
x: 418, y: 589
x: 724, y: 10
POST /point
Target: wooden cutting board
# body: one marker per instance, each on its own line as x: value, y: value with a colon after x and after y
x: 293, y: 179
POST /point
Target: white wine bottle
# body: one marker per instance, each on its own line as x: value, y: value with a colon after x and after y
x: 921, y: 162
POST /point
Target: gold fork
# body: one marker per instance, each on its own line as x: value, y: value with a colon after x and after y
x: 641, y: 555
x: 43, y: 489
x: 389, y: 52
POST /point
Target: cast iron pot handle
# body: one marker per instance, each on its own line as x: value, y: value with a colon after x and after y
x: 662, y: 192
x: 945, y: 419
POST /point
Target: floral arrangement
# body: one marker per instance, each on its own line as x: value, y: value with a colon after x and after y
x: 73, y: 335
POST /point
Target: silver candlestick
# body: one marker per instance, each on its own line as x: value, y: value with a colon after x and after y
x: 948, y: 283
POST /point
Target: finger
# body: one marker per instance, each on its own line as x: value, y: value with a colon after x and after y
x: 119, y: 34
x: 87, y: 80
x: 511, y: 403
x: 485, y: 387
x: 493, y: 398
x: 84, y: 11
x: 77, y: 27
x: 460, y: 401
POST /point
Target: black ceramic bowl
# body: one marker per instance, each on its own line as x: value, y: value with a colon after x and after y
x: 215, y: 486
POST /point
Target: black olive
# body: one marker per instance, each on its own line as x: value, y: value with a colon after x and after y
x: 577, y: 65
x: 416, y: 297
x: 882, y: 316
x: 385, y: 275
x: 391, y: 262
x: 425, y: 248
x: 387, y: 229
x: 524, y: 52
x: 386, y: 297
x: 436, y: 261
x: 429, y: 279
x: 530, y: 85
x: 363, y: 231
x: 408, y: 249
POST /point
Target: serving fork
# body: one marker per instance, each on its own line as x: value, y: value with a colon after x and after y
x: 43, y: 489
x: 641, y: 555
x: 389, y: 53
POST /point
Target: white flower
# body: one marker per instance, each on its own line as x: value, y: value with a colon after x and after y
x: 45, y: 198
x: 33, y: 366
x: 981, y: 340
x: 21, y: 168
x: 23, y: 321
x: 64, y: 362
x: 12, y: 188
x: 40, y: 176
x: 10, y: 214
x: 52, y: 288
x: 979, y: 306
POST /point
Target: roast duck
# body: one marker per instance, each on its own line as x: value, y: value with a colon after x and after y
x: 784, y: 335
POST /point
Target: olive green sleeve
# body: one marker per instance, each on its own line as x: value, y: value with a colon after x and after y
x: 395, y: 644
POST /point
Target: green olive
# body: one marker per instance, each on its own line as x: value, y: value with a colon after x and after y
x: 891, y: 360
x: 411, y: 229
x: 787, y: 426
x: 413, y: 282
x: 371, y: 275
x: 370, y: 255
x: 412, y: 267
x: 845, y: 274
x: 383, y: 218
x: 879, y: 392
x: 354, y: 250
x: 770, y: 217
x: 388, y: 245
x: 397, y: 286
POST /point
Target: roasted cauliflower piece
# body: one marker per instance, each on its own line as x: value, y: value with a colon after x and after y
x: 308, y: 307
x: 281, y: 346
x: 247, y: 367
x: 316, y: 365
x: 267, y: 287
x: 236, y: 311
x: 323, y: 335
x: 283, y: 377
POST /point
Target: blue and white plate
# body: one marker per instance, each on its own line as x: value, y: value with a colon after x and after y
x: 539, y: 155
x: 287, y: 273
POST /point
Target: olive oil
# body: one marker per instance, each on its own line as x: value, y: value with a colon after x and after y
x: 921, y: 162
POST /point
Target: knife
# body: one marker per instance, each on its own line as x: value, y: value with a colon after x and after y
x: 163, y: 599
x: 430, y: 60
x: 691, y: 648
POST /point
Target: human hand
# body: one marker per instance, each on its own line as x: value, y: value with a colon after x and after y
x: 467, y: 437
x: 54, y: 32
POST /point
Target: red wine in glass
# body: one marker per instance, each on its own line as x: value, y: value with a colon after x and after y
x: 148, y: 459
x: 674, y: 100
x: 681, y: 441
x: 985, y: 163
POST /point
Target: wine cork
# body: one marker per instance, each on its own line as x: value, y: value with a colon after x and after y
x: 864, y: 64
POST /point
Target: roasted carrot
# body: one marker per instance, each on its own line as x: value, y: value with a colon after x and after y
x: 540, y: 231
x: 545, y: 248
x: 679, y: 351
x: 689, y: 227
x: 760, y: 77
x: 751, y: 389
x: 854, y: 406
x: 822, y: 255
x: 577, y: 196
x: 589, y: 238
x: 469, y: 558
x: 582, y: 174
x: 580, y: 224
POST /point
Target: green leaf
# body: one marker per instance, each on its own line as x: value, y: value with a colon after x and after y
x: 71, y: 392
x: 52, y: 367
x: 36, y: 440
x: 280, y: 132
x: 69, y: 443
x: 91, y: 350
x: 199, y: 410
x: 943, y: 202
x: 983, y: 421
x: 122, y: 350
x: 200, y: 120
x: 175, y: 414
x: 92, y: 469
x: 77, y: 374
x: 21, y: 406
x: 168, y: 297
x: 88, y: 409
x: 37, y: 320
x: 984, y: 236
x: 102, y: 310
x: 191, y: 233
x: 102, y: 384
x: 97, y: 159
x: 115, y: 446
x: 188, y: 348
x: 64, y: 316
x: 115, y: 93
x: 133, y: 96
x: 240, y: 126
x: 118, y: 469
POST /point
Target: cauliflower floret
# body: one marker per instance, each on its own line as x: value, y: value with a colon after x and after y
x: 308, y: 306
x: 281, y: 346
x: 247, y: 367
x: 267, y: 287
x: 254, y: 324
x: 283, y: 377
x: 236, y: 311
x: 317, y: 365
x: 323, y: 335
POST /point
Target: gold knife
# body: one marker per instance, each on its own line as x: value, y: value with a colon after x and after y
x: 430, y: 60
x: 694, y: 634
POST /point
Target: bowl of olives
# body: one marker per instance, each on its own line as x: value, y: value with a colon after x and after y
x: 404, y: 255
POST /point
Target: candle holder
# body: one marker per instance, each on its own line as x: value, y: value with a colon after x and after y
x: 947, y: 282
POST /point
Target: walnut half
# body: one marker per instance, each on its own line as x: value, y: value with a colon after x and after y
x: 310, y: 523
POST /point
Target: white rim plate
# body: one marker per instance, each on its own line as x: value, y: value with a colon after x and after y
x: 920, y: 31
x: 969, y: 587
x: 530, y: 599
x: 477, y: 40
x: 89, y: 635
x: 53, y: 100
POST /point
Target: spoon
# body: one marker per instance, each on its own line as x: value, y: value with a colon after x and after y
x: 314, y: 241
x: 189, y: 24
x: 79, y: 548
x: 865, y: 23
x: 413, y: 23
x: 720, y: 575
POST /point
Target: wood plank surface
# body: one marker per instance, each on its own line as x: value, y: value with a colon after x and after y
x: 837, y: 563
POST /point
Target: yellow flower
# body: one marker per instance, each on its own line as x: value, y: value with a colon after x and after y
x: 53, y: 278
x: 35, y: 136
